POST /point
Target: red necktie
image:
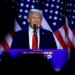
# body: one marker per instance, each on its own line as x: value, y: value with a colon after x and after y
x: 34, y: 40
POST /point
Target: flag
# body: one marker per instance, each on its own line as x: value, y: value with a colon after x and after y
x: 54, y: 20
x: 70, y: 9
x: 59, y: 18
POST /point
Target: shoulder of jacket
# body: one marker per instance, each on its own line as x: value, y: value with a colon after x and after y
x: 45, y: 31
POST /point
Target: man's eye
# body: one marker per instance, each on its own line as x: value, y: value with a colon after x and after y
x: 36, y: 18
x: 39, y: 18
x: 33, y: 17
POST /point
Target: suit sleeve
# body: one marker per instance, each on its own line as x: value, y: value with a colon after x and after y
x: 15, y: 41
x: 52, y: 43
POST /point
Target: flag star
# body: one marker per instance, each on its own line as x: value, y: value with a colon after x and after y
x: 26, y: 11
x: 37, y: 1
x: 28, y: 0
x: 24, y: 22
x: 52, y: 5
x: 50, y: 17
x: 22, y: 4
x: 46, y: 10
x: 33, y: 1
x: 60, y: 13
x: 53, y: 0
x: 58, y: 1
x: 47, y: 4
x: 55, y: 18
x: 71, y: 4
x: 60, y: 19
x: 20, y: 16
x: 21, y: 10
x: 27, y: 5
x: 61, y: 2
x: 57, y: 6
x: 74, y: 11
x: 73, y: 17
x: 25, y: 17
x: 51, y: 11
x: 61, y: 8
x: 67, y: 4
x: 72, y: 22
x: 56, y: 12
x: 54, y: 23
x: 32, y: 6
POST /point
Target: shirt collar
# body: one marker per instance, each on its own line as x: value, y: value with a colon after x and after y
x: 31, y: 30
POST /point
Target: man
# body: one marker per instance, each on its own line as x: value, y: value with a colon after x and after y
x: 24, y: 38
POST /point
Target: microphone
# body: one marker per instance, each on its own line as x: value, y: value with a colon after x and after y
x: 35, y: 26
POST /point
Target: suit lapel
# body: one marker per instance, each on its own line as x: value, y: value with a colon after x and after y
x: 26, y: 38
x: 41, y: 39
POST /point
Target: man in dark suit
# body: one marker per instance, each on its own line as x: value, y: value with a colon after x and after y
x: 23, y: 38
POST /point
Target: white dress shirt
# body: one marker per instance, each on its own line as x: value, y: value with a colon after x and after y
x: 31, y: 35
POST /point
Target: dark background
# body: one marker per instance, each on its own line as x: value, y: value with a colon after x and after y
x: 7, y: 16
x: 37, y: 63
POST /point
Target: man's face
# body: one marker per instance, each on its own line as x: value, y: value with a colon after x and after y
x: 34, y: 18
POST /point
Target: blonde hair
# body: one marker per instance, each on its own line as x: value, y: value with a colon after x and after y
x: 35, y: 11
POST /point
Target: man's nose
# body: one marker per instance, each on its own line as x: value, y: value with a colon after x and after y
x: 36, y: 20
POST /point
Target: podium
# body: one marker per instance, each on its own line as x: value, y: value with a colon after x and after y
x: 57, y: 57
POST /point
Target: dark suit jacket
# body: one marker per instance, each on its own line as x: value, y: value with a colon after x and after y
x: 21, y: 40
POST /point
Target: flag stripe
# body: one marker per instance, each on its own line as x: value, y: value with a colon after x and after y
x: 63, y: 34
x: 73, y: 31
x: 70, y: 44
x: 12, y: 33
x: 5, y: 45
x: 1, y: 47
x: 9, y: 39
x: 45, y: 25
x: 71, y: 39
x: 65, y: 29
x: 16, y: 26
x: 57, y: 43
x: 59, y: 37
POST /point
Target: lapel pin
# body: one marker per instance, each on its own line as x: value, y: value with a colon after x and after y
x: 43, y: 33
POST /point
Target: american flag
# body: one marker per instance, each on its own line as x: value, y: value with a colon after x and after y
x: 54, y: 15
x: 54, y: 20
x: 70, y: 5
